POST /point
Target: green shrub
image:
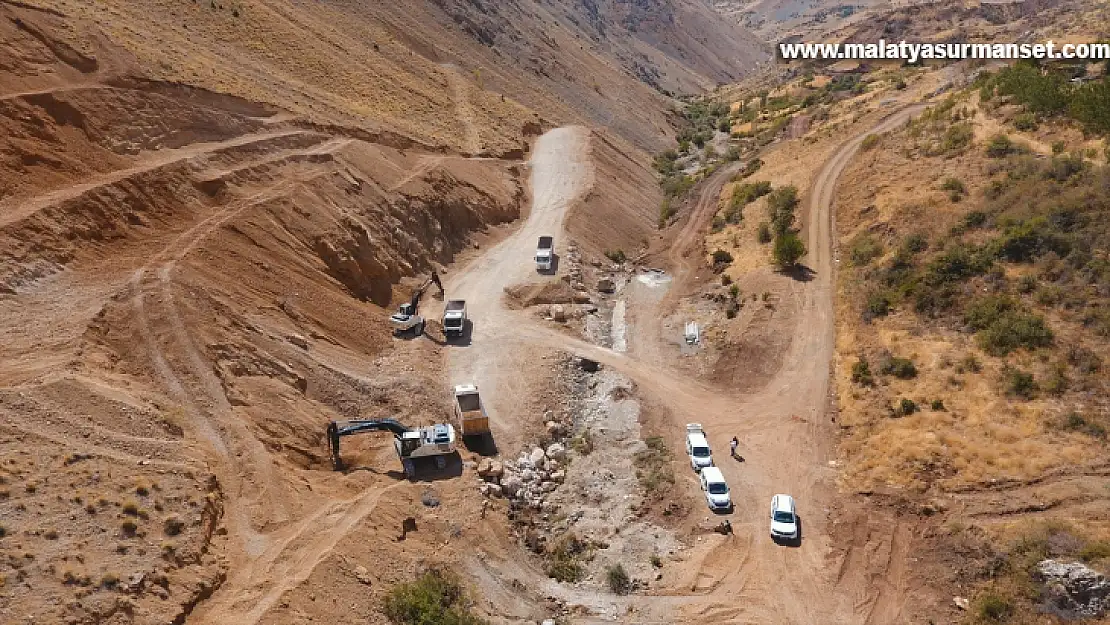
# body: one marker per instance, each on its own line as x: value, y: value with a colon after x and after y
x: 864, y: 248
x: 726, y: 279
x: 877, y: 305
x: 957, y: 138
x: 437, y: 596
x: 983, y: 312
x: 721, y: 257
x: 565, y: 563
x: 750, y: 168
x: 953, y: 184
x: 861, y: 373
x: 901, y: 368
x: 734, y: 291
x: 905, y: 407
x: 1057, y: 382
x: 1025, y: 122
x: 619, y: 582
x: 1058, y: 147
x: 915, y: 243
x: 653, y: 467
x: 617, y: 256
x: 764, y: 233
x: 1025, y: 242
x: 1097, y: 550
x: 956, y: 264
x: 1012, y: 331
x: 1019, y: 383
x: 1000, y: 146
x: 937, y: 405
x: 869, y: 142
x: 666, y: 211
x: 788, y: 250
x: 1075, y: 422
x: 993, y: 607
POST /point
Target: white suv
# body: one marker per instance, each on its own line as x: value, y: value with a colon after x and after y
x: 784, y: 521
x: 697, y: 447
x: 716, y: 490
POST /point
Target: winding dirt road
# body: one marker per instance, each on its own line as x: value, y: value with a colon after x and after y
x: 787, y: 435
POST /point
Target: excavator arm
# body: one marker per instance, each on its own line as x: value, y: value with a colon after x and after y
x: 339, y: 429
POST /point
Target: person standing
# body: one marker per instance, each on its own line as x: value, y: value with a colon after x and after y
x: 733, y: 445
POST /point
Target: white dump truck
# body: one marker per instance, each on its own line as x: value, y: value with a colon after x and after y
x: 454, y: 317
x: 545, y: 253
x: 471, y: 414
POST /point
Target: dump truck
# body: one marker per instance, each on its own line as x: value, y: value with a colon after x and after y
x: 471, y: 414
x: 454, y: 317
x: 545, y: 252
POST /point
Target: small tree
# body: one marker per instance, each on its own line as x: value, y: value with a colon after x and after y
x: 788, y: 250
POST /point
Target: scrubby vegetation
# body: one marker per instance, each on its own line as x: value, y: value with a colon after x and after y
x: 653, y: 467
x: 1048, y: 91
x: 437, y: 596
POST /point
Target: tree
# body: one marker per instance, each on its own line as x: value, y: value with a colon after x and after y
x: 780, y: 208
x: 788, y: 250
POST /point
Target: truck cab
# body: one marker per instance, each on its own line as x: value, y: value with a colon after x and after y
x: 454, y: 317
x: 545, y: 253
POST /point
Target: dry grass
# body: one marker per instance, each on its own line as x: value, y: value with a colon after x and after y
x: 887, y: 194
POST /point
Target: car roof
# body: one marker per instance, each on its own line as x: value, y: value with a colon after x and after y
x: 697, y: 438
x: 782, y: 502
x: 713, y: 474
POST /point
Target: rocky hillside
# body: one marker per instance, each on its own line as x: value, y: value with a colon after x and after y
x: 375, y: 66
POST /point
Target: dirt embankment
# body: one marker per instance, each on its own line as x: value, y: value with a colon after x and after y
x: 192, y: 286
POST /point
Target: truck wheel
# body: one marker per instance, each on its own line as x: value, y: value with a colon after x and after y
x: 420, y: 329
x: 409, y: 467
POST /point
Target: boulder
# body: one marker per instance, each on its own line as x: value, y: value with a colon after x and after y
x: 558, y: 476
x: 1074, y: 588
x: 485, y: 467
x: 556, y: 451
x: 495, y: 490
x: 298, y: 340
x: 961, y: 603
x: 558, y: 312
x: 363, y: 575
x: 511, y: 485
x: 581, y: 297
x: 605, y: 285
x: 490, y: 469
x: 555, y: 429
x: 589, y: 366
x: 537, y: 457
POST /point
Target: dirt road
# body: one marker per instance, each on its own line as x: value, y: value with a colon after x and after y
x: 560, y: 174
x: 787, y: 436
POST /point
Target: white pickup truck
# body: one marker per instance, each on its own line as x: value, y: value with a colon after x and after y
x: 454, y: 317
x: 545, y: 252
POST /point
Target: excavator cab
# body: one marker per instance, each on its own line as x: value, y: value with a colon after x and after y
x: 436, y: 442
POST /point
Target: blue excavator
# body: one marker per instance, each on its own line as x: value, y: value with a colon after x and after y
x: 411, y: 444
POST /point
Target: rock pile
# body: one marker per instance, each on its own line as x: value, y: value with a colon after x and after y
x: 1074, y: 589
x: 527, y: 480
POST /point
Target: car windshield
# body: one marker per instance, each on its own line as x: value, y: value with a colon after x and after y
x: 784, y: 517
x: 717, y: 488
x: 700, y: 452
